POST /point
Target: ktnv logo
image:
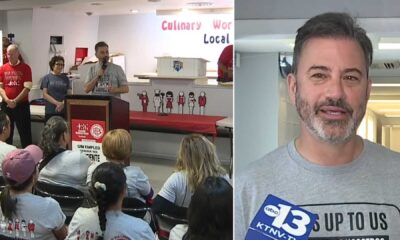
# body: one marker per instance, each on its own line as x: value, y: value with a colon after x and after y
x: 278, y: 219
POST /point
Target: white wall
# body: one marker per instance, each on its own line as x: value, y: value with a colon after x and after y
x: 33, y: 28
x: 289, y: 121
x: 394, y: 138
x: 256, y: 106
x: 141, y: 38
x: 20, y: 23
x: 77, y: 30
x: 3, y: 22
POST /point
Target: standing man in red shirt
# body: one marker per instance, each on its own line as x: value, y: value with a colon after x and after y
x: 15, y: 84
x: 225, y: 65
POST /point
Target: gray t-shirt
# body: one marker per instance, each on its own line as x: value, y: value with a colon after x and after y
x: 57, y: 87
x: 136, y: 180
x: 358, y: 200
x: 36, y: 218
x: 113, y: 76
x: 85, y: 225
x: 68, y: 168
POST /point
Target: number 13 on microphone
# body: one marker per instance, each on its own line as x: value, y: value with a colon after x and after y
x: 278, y: 219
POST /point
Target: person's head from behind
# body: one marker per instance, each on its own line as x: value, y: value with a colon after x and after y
x: 210, y: 211
x: 117, y: 145
x: 56, y: 64
x: 4, y: 126
x: 20, y: 174
x: 55, y: 135
x: 197, y: 156
x: 329, y: 84
x: 108, y: 187
x: 101, y: 51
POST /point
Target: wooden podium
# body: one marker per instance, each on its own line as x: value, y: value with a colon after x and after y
x: 90, y: 117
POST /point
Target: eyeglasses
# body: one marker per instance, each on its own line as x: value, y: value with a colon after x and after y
x: 60, y: 64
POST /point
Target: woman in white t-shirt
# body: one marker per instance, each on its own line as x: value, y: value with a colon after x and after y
x: 61, y: 166
x: 107, y: 221
x: 24, y: 215
x: 197, y: 159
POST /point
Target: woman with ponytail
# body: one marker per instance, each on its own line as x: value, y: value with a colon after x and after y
x: 24, y: 215
x: 106, y: 220
x: 61, y: 166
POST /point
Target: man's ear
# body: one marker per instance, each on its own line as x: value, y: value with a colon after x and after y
x: 292, y: 87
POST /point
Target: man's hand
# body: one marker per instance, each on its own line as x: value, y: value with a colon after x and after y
x: 11, y: 103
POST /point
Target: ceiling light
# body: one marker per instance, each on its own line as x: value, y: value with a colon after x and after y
x: 388, y: 46
x: 199, y: 4
x: 383, y: 101
x: 386, y: 84
x: 389, y: 43
x: 392, y: 115
x: 133, y: 11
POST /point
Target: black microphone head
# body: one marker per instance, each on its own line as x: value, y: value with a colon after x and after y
x: 104, y: 65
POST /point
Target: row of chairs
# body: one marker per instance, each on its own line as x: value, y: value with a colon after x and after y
x: 71, y: 199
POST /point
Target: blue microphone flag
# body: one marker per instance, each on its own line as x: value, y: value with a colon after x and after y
x: 278, y: 219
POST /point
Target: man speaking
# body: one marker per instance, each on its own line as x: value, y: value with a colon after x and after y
x: 105, y: 78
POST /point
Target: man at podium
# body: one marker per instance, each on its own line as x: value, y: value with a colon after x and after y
x: 105, y: 78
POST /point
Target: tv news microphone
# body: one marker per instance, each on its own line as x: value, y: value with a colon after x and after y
x: 278, y: 219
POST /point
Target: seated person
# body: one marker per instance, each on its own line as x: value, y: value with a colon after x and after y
x: 117, y: 147
x: 28, y: 216
x: 106, y: 220
x: 5, y: 148
x: 210, y: 213
x: 61, y: 166
x: 197, y: 159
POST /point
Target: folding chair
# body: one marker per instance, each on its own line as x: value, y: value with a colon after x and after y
x: 69, y: 198
x: 166, y: 223
x: 136, y: 208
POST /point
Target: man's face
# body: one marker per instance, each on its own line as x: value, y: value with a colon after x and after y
x: 12, y: 54
x: 102, y: 53
x: 330, y: 88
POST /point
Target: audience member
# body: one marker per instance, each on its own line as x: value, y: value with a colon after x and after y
x: 117, y: 148
x: 210, y: 213
x: 61, y: 166
x: 15, y: 84
x: 27, y: 216
x: 197, y: 159
x: 107, y: 221
x: 55, y: 86
x: 4, y: 134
